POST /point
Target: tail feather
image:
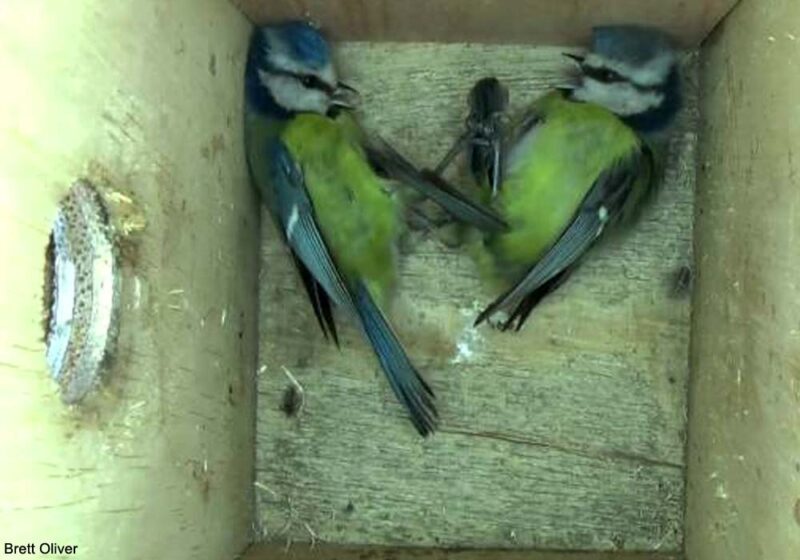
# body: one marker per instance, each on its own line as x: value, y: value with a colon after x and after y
x: 524, y: 309
x: 320, y: 302
x: 519, y: 311
x: 406, y: 382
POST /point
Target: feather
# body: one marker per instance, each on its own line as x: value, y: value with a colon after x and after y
x: 406, y: 382
x: 390, y: 162
x: 296, y: 214
x: 320, y: 301
x: 604, y: 203
x: 319, y: 269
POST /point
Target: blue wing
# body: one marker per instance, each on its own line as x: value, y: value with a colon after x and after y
x: 604, y: 204
x: 296, y: 215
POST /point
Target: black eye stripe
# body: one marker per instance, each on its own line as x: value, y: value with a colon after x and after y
x: 309, y: 81
x: 605, y: 75
x: 608, y: 76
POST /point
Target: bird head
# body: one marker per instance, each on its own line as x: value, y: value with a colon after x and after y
x: 632, y: 71
x: 290, y: 68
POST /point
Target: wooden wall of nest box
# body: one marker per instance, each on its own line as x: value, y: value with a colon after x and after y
x: 143, y: 99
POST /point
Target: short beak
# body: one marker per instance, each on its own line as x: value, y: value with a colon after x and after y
x: 576, y: 79
x: 575, y: 57
x: 345, y: 97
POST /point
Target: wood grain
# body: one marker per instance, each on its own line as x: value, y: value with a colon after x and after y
x: 304, y: 552
x: 568, y: 435
x: 143, y: 99
x: 543, y: 22
x: 744, y: 467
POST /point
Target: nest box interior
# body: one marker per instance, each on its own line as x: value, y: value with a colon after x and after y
x: 648, y: 410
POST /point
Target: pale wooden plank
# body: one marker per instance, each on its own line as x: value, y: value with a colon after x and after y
x: 142, y: 98
x: 327, y: 552
x: 744, y: 464
x: 554, y: 22
x: 568, y: 435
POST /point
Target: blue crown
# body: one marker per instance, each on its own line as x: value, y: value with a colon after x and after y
x: 633, y: 43
x: 305, y: 42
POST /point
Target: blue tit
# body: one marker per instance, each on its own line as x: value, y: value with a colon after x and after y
x: 578, y: 161
x: 326, y: 185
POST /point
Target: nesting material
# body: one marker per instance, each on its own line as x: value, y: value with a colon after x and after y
x: 567, y: 435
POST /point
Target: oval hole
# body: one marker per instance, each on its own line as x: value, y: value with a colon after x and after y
x: 81, y: 292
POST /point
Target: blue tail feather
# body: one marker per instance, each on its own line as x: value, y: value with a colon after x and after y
x: 409, y: 387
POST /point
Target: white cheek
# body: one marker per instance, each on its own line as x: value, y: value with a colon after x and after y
x: 620, y: 98
x: 634, y: 101
x: 292, y: 96
x: 593, y: 91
